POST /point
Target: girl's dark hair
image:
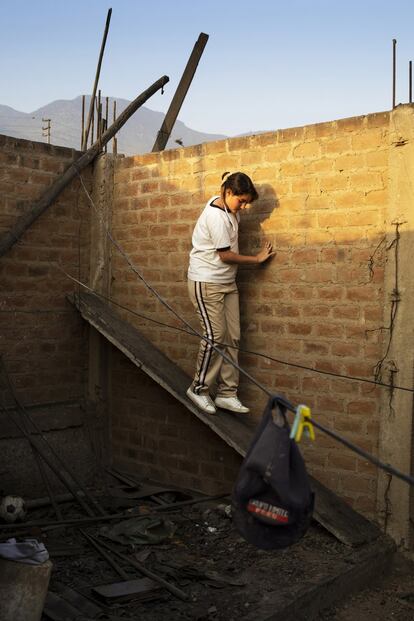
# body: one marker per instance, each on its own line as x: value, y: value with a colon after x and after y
x: 239, y: 184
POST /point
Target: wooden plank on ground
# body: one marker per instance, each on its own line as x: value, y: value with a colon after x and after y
x: 330, y: 511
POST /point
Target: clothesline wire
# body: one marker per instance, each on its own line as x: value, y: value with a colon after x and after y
x: 240, y: 349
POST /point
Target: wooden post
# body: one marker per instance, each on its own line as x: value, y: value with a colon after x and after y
x: 179, y: 95
x: 115, y: 140
x: 106, y: 118
x: 83, y: 121
x: 394, y: 63
x: 95, y: 86
x: 93, y: 123
x: 11, y: 237
x: 99, y: 351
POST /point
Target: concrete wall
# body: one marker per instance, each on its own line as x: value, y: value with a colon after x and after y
x: 327, y: 202
x: 42, y: 338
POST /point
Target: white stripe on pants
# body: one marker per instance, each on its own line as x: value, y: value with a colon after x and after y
x: 217, y: 307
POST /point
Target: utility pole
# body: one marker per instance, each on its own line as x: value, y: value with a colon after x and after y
x: 46, y: 129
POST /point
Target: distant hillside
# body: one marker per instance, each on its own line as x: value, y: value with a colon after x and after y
x: 137, y: 135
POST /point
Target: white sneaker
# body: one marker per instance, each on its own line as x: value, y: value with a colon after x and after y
x: 231, y: 403
x: 204, y: 402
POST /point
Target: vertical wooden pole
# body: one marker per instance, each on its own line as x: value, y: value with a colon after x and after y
x: 115, y: 139
x: 394, y: 63
x: 83, y: 121
x: 93, y: 120
x: 106, y: 119
x: 95, y: 86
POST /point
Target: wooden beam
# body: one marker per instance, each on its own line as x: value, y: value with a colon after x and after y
x: 335, y: 515
x: 24, y: 222
x: 179, y: 95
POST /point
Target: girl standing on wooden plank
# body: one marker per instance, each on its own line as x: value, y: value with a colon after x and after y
x: 212, y: 288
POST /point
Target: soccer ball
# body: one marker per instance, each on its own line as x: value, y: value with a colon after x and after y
x: 12, y: 508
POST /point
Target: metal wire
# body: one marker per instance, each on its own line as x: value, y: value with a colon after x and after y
x: 374, y: 460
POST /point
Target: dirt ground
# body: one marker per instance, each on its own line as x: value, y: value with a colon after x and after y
x: 224, y: 577
x: 391, y: 599
x: 197, y: 549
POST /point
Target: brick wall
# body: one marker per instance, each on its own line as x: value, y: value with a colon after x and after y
x: 155, y: 437
x: 319, y: 303
x: 42, y: 338
x: 333, y: 197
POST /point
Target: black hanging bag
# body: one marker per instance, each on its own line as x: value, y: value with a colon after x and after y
x: 272, y: 498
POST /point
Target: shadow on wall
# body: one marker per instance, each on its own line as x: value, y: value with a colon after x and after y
x: 251, y: 236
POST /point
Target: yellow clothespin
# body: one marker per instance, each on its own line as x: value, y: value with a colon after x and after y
x: 302, y: 423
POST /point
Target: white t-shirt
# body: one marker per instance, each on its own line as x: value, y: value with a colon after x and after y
x: 216, y: 229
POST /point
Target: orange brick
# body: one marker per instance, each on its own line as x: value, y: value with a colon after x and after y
x: 328, y: 330
x: 370, y: 139
x: 148, y: 187
x: 345, y: 349
x: 308, y: 185
x: 334, y: 183
x: 292, y: 169
x: 290, y: 135
x: 350, y: 162
x: 319, y: 274
x: 350, y: 199
x: 315, y: 348
x: 277, y: 153
x: 238, y: 144
x: 337, y: 145
x: 378, y: 119
x: 368, y: 180
x: 320, y: 166
x: 351, y: 124
x: 251, y: 158
x: 299, y: 329
x: 346, y: 312
x: 308, y: 150
x: 136, y: 174
x: 363, y: 293
x: 320, y: 130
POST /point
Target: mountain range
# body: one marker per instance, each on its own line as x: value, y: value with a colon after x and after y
x: 136, y: 136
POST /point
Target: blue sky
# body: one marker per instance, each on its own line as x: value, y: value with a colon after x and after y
x: 268, y: 64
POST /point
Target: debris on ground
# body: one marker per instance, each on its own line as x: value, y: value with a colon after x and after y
x: 159, y: 553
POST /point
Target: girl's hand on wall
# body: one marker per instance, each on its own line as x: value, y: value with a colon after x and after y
x: 265, y: 253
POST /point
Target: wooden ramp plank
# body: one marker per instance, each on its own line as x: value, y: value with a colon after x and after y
x: 331, y: 511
